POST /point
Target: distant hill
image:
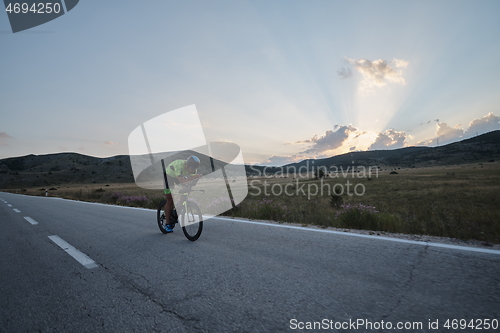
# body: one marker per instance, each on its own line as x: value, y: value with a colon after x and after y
x: 64, y: 168
x: 67, y: 168
x: 54, y: 169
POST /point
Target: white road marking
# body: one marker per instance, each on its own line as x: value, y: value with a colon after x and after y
x: 81, y: 257
x: 9, y: 205
x: 17, y: 210
x: 30, y: 220
x: 454, y: 247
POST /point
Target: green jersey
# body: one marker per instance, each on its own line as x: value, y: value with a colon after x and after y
x: 177, y: 169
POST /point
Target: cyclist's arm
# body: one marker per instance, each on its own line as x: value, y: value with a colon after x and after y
x: 188, y: 178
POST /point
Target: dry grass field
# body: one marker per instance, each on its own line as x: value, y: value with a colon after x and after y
x: 460, y: 201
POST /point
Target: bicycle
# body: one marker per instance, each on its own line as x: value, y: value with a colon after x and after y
x: 190, y: 216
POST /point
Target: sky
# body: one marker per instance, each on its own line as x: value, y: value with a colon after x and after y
x: 284, y: 80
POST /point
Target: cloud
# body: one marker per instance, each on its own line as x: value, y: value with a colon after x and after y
x: 329, y: 141
x: 447, y: 134
x: 359, y: 134
x: 320, y: 147
x: 444, y: 134
x: 315, y: 137
x: 376, y: 73
x: 110, y: 143
x: 488, y: 123
x: 427, y: 123
x: 390, y: 139
x: 4, y: 139
x: 347, y: 138
x: 345, y: 72
x: 343, y: 140
x: 280, y: 160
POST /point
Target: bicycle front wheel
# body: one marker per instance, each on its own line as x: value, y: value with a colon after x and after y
x: 191, y: 221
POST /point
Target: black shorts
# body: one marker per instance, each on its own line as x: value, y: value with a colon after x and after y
x: 171, y: 181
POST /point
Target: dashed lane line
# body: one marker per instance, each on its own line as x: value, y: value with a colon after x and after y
x: 81, y: 257
x: 30, y: 220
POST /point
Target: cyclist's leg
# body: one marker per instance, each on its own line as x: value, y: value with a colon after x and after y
x: 169, y: 206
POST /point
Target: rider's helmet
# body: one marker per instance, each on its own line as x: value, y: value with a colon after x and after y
x: 193, y: 162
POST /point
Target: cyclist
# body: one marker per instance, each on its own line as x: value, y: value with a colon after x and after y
x: 178, y: 172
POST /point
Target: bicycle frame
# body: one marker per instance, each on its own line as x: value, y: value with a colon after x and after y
x: 184, y: 193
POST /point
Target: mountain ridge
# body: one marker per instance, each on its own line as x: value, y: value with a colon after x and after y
x: 481, y: 148
x: 62, y: 168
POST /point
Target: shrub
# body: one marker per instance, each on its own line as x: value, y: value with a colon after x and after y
x: 114, y: 197
x: 154, y: 201
x: 129, y: 200
x: 320, y: 173
x: 358, y: 216
x: 268, y: 209
x: 336, y: 200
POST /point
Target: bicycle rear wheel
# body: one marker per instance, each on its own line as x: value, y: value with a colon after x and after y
x: 191, y: 221
x: 160, y: 216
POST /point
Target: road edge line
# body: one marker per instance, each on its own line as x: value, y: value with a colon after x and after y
x: 399, y: 240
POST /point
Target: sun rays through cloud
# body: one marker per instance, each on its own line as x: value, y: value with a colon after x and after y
x: 346, y: 138
x: 378, y: 92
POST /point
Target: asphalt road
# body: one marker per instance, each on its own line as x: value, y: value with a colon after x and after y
x: 238, y: 277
